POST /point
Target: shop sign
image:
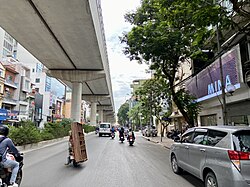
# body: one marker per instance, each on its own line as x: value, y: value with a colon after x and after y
x: 207, y: 83
x: 3, y: 114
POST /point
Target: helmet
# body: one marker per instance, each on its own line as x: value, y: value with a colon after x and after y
x: 4, y: 130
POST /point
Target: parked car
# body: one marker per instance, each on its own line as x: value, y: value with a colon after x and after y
x: 218, y: 155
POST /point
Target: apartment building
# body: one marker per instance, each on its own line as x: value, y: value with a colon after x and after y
x: 28, y: 92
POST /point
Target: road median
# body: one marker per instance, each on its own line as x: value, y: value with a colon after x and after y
x: 39, y: 145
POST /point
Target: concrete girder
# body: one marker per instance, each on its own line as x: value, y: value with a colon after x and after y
x: 105, y: 108
x: 76, y: 75
x: 94, y: 98
x: 109, y: 113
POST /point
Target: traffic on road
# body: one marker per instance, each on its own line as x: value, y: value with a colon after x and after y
x: 111, y: 163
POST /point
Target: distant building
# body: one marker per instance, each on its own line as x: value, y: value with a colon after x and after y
x: 29, y: 93
x: 2, y: 81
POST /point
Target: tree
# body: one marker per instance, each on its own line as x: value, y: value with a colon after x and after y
x: 165, y: 30
x: 153, y: 96
x: 123, y: 114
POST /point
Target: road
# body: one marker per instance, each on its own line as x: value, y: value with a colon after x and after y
x: 110, y: 164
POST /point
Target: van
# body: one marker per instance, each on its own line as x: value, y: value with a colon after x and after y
x: 105, y: 129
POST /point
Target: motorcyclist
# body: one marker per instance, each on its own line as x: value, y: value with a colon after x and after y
x: 131, y: 133
x: 7, y: 145
x: 121, y: 133
x: 112, y: 130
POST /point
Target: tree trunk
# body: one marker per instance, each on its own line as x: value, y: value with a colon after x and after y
x: 183, y: 112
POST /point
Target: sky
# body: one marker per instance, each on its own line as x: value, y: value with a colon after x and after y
x: 122, y: 70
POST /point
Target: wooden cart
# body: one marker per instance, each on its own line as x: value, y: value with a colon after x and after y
x: 77, y: 146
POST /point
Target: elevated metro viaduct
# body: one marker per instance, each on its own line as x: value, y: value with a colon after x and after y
x: 68, y: 38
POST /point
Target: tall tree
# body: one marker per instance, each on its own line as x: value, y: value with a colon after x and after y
x: 123, y: 114
x: 165, y: 30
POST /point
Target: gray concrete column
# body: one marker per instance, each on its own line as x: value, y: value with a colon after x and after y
x: 104, y: 118
x: 93, y: 113
x: 100, y: 115
x: 76, y: 101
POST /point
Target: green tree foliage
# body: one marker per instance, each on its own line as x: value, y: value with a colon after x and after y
x: 123, y: 114
x: 153, y: 94
x: 165, y: 30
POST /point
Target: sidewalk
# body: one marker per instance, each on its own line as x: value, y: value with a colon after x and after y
x: 166, y: 142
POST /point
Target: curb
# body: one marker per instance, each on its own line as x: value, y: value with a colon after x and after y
x: 156, y: 142
x: 31, y: 147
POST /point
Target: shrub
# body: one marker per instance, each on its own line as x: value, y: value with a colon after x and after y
x: 26, y: 133
x: 88, y: 128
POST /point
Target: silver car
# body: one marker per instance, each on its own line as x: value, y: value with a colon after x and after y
x: 218, y: 155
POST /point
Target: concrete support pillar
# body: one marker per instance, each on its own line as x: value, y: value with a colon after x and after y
x: 76, y: 101
x: 93, y: 113
x: 100, y: 116
x: 105, y: 118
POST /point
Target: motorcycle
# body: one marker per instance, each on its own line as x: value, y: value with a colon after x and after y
x: 130, y: 139
x: 112, y: 135
x: 71, y: 157
x: 122, y: 138
x: 5, y: 173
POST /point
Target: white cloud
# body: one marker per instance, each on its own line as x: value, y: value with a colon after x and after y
x: 123, y: 71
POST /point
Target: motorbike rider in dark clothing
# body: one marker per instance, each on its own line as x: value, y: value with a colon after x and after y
x: 5, y: 146
x: 121, y: 133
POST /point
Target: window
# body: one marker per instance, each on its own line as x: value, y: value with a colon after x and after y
x: 209, y: 120
x: 37, y: 80
x: 1, y: 72
x: 199, y: 136
x: 214, y: 137
x: 27, y: 85
x: 10, y: 78
x: 187, y: 138
x: 241, y: 141
x: 103, y: 125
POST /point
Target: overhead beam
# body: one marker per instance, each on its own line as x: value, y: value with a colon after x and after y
x: 76, y: 75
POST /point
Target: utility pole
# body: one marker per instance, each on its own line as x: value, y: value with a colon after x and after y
x: 223, y: 94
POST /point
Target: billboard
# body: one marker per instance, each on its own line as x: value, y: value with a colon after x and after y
x: 207, y: 83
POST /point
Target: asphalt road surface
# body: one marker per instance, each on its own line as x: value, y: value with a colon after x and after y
x: 110, y: 164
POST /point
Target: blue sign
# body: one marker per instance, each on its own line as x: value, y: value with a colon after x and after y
x: 3, y: 114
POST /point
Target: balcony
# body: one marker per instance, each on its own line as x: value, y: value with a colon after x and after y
x: 9, y: 100
x: 11, y: 83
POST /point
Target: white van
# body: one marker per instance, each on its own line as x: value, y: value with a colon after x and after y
x: 105, y: 129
